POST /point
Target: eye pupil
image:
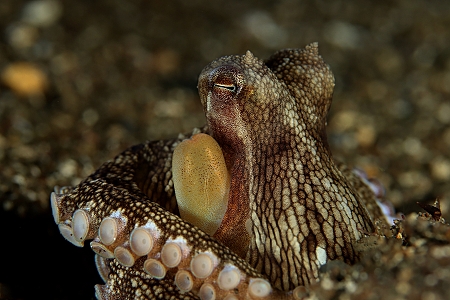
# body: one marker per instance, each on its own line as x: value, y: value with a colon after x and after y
x: 230, y: 87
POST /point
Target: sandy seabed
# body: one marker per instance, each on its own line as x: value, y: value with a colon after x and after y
x: 82, y: 81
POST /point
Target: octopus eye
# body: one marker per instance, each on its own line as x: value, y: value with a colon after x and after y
x: 230, y: 87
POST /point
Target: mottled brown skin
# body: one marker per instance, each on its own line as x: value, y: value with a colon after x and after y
x: 289, y: 201
x: 270, y: 119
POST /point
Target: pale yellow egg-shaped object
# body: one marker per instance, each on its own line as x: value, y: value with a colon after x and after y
x: 201, y: 181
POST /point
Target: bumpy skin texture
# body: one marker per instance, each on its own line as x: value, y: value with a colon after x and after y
x: 291, y: 208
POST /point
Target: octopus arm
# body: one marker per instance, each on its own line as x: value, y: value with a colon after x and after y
x: 143, y: 250
x: 144, y: 169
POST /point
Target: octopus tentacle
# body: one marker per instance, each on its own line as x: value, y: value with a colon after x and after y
x: 160, y: 250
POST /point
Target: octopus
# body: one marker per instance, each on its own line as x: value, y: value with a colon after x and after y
x: 250, y: 206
